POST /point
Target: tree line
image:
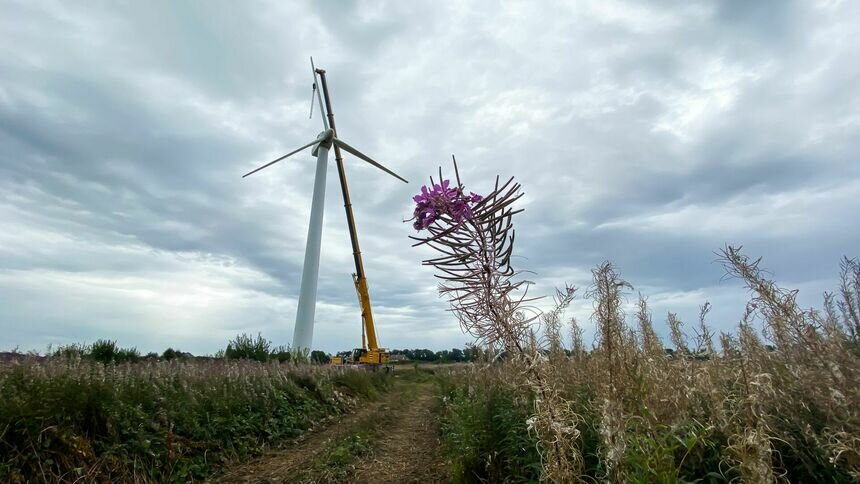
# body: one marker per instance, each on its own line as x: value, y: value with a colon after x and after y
x: 244, y: 347
x: 444, y: 356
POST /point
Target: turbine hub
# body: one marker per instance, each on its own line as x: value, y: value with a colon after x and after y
x: 324, y: 139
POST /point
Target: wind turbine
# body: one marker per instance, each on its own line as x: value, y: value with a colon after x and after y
x: 303, y: 332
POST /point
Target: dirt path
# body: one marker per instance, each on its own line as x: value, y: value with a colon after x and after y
x: 389, y: 441
x: 409, y: 451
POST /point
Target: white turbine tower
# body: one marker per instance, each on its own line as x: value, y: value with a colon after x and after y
x: 304, y: 329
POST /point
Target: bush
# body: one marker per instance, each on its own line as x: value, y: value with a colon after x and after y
x: 171, y: 354
x: 127, y: 355
x: 282, y: 354
x: 103, y: 351
x: 246, y: 347
x: 72, y: 351
x: 319, y: 357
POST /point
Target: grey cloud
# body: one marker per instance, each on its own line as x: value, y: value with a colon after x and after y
x: 124, y: 130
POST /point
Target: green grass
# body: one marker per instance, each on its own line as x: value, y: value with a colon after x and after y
x: 340, y: 456
x: 65, y: 418
x: 485, y: 433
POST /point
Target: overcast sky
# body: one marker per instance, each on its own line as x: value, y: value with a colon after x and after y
x: 650, y: 134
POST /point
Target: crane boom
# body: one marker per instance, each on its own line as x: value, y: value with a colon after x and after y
x: 372, y: 354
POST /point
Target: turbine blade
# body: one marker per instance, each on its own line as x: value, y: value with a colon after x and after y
x: 319, y: 96
x: 281, y: 158
x: 366, y: 158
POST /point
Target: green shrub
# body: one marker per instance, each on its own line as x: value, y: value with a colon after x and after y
x: 103, y: 351
x: 71, y: 351
x: 172, y: 354
x: 246, y: 347
x: 281, y: 353
x: 319, y: 357
x: 127, y: 355
x: 485, y: 433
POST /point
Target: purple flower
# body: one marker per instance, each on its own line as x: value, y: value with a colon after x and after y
x: 441, y: 199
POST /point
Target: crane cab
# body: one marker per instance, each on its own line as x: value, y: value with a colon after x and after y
x: 370, y: 357
x: 361, y: 356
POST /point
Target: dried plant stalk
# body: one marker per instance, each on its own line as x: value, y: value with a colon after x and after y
x: 492, y: 304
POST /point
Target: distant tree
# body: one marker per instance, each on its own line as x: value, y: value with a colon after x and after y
x: 470, y: 353
x: 170, y: 354
x: 246, y: 347
x: 456, y: 355
x: 72, y: 351
x: 467, y: 354
x: 104, y: 351
x: 424, y: 355
x: 319, y: 357
x: 107, y: 351
x: 281, y: 353
x: 127, y: 355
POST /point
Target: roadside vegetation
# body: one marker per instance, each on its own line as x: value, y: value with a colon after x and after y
x: 93, y: 413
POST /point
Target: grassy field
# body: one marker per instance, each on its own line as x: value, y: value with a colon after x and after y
x: 775, y: 400
x: 160, y: 421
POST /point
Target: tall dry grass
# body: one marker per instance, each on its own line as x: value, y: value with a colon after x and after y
x: 775, y: 400
x: 778, y: 404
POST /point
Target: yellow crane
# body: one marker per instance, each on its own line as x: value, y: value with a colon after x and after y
x: 370, y: 353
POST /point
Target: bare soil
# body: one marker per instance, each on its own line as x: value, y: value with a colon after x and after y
x: 405, y: 446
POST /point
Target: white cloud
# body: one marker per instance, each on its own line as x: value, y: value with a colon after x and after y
x: 774, y: 215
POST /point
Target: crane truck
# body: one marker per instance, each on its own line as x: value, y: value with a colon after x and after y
x: 370, y: 353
